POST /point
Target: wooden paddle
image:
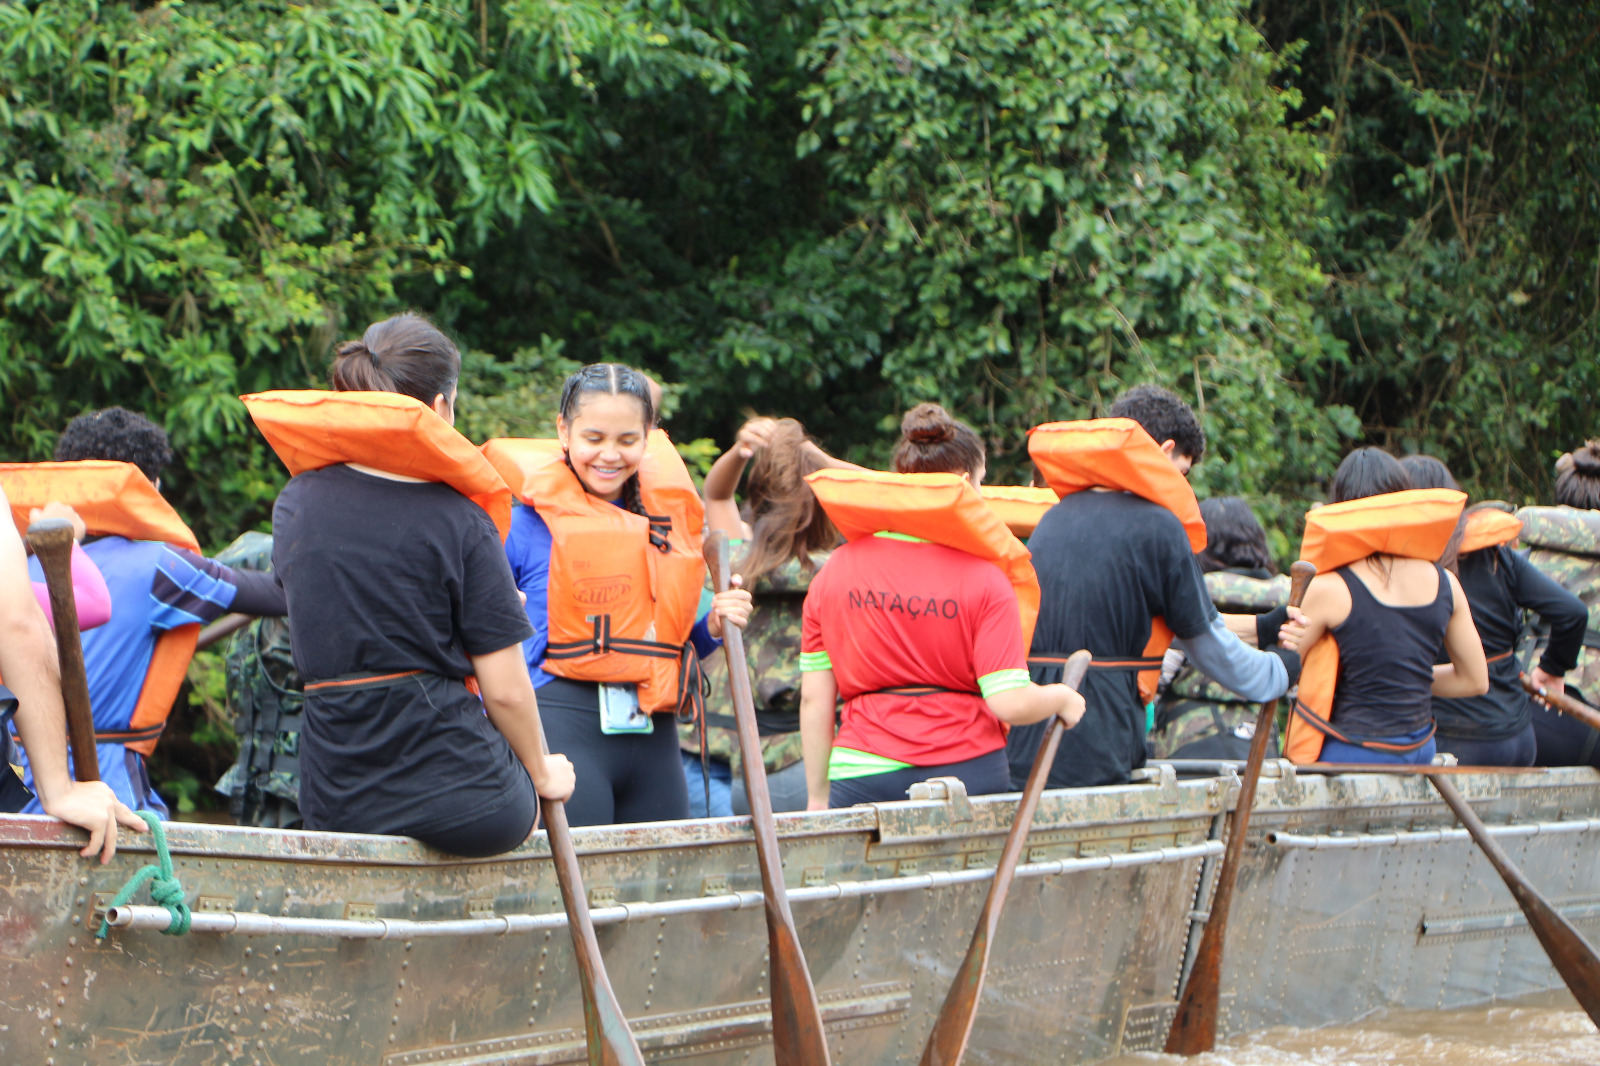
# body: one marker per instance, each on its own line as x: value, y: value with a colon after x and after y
x: 798, y: 1036
x: 610, y: 1041
x: 51, y: 540
x: 1563, y: 703
x: 948, y: 1040
x: 1573, y: 957
x: 1194, y: 1029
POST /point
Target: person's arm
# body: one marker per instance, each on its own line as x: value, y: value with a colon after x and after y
x: 722, y: 480
x: 1028, y: 703
x: 1326, y: 606
x: 190, y: 589
x: 509, y: 699
x: 1252, y: 675
x: 818, y: 694
x: 1563, y: 612
x: 89, y: 593
x: 528, y: 551
x: 1467, y: 673
x: 1242, y: 626
x: 29, y: 665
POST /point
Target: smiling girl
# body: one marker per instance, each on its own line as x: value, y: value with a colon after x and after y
x: 607, y: 549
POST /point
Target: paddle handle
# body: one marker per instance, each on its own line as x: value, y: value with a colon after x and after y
x: 1563, y: 703
x: 51, y: 540
x: 1194, y: 1028
x: 799, y: 1037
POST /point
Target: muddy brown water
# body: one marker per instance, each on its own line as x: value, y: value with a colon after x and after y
x: 1546, y: 1030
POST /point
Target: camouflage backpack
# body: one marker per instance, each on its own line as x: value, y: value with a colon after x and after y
x: 772, y: 644
x: 1196, y: 718
x: 1564, y: 543
x: 264, y: 692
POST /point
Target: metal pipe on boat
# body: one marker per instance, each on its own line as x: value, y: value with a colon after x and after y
x: 251, y: 924
x: 1328, y: 842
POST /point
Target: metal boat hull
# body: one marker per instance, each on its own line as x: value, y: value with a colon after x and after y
x: 1086, y: 965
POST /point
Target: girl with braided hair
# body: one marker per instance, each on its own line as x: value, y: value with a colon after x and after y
x: 606, y: 547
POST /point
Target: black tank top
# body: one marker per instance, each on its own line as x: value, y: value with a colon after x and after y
x: 1386, y: 657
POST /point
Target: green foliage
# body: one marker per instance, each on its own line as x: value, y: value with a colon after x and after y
x: 197, y: 199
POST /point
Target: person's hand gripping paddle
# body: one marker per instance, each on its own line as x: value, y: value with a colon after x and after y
x: 798, y: 1036
x: 51, y: 540
x: 1571, y: 955
x: 948, y: 1040
x: 610, y: 1041
x: 1194, y: 1029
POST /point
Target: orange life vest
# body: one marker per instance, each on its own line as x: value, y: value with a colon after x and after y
x: 311, y: 429
x: 1117, y: 453
x: 624, y: 590
x: 1489, y: 528
x: 1018, y: 506
x: 116, y: 499
x: 1414, y: 524
x: 941, y: 508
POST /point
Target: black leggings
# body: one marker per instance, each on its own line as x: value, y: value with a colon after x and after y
x: 626, y: 777
x: 1515, y: 750
x: 493, y: 833
x: 983, y: 776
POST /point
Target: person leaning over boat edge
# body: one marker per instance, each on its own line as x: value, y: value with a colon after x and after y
x: 1496, y: 729
x: 31, y: 700
x: 1381, y: 708
x: 606, y: 549
x: 924, y: 641
x: 398, y: 592
x: 1117, y: 568
x: 108, y: 465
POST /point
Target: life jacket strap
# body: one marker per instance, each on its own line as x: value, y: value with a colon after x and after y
x: 660, y: 532
x: 916, y: 690
x: 1327, y: 729
x: 1126, y: 665
x: 355, y: 682
x: 601, y: 642
x: 1502, y: 656
x: 129, y: 736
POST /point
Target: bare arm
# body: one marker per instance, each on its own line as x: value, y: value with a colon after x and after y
x: 1326, y: 606
x: 29, y: 665
x: 1467, y: 673
x: 818, y: 694
x: 1034, y: 703
x: 722, y: 480
x: 1242, y: 626
x: 509, y: 698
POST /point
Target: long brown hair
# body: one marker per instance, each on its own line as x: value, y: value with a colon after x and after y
x: 931, y: 442
x: 786, y: 521
x: 405, y: 354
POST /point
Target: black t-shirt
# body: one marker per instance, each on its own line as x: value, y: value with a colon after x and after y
x: 385, y: 577
x: 1499, y: 584
x: 1108, y: 563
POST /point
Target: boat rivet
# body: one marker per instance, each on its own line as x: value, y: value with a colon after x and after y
x: 405, y: 963
x: 58, y: 1023
x: 245, y: 970
x: 408, y: 945
x: 266, y: 1007
x: 391, y: 1038
x: 69, y: 960
x: 402, y: 982
x: 54, y: 1041
x: 241, y: 990
x: 415, y: 910
x: 66, y: 980
x: 261, y: 1045
x: 258, y: 893
x: 61, y: 1001
x: 249, y: 952
x: 81, y: 901
x: 234, y: 1028
x: 530, y: 1020
x: 83, y: 880
x: 51, y: 1061
x: 238, y: 1009
x: 75, y: 919
x: 278, y: 949
x: 395, y: 1020
x: 274, y: 967
x: 272, y: 988
x: 263, y: 1029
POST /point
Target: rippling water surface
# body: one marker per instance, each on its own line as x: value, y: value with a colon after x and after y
x: 1540, y: 1031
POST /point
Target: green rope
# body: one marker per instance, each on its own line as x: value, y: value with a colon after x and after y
x: 165, y: 889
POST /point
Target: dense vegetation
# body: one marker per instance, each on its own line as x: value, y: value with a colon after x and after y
x: 1325, y: 222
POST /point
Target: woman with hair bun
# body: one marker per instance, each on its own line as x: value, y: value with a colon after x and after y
x: 606, y: 548
x: 1496, y: 729
x: 386, y: 542
x: 924, y: 642
x: 1564, y: 544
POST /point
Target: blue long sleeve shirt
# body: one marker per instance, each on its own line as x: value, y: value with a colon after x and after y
x: 528, y: 549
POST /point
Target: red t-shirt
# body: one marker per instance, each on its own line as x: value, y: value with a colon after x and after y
x: 891, y: 613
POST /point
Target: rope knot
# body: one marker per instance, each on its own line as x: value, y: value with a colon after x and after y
x: 165, y: 888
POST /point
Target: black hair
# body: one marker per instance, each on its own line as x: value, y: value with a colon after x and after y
x: 1165, y: 416
x: 1426, y: 472
x: 118, y: 434
x: 1578, y: 477
x: 610, y: 379
x: 405, y: 354
x: 1234, y: 538
x: 1367, y: 472
x: 931, y: 442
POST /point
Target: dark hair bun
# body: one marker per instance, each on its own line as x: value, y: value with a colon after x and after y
x: 928, y: 423
x: 1586, y: 460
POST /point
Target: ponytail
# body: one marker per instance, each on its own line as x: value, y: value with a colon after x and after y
x: 931, y: 442
x: 406, y: 354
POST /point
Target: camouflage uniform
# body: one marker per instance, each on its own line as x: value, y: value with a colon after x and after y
x: 1195, y: 716
x: 264, y: 691
x: 1564, y: 543
x: 772, y: 646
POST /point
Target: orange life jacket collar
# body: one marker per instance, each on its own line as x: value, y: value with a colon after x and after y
x: 311, y: 429
x: 941, y: 508
x: 624, y: 589
x: 1114, y: 453
x: 113, y: 499
x: 1019, y: 506
x: 1414, y: 524
x: 1489, y: 528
